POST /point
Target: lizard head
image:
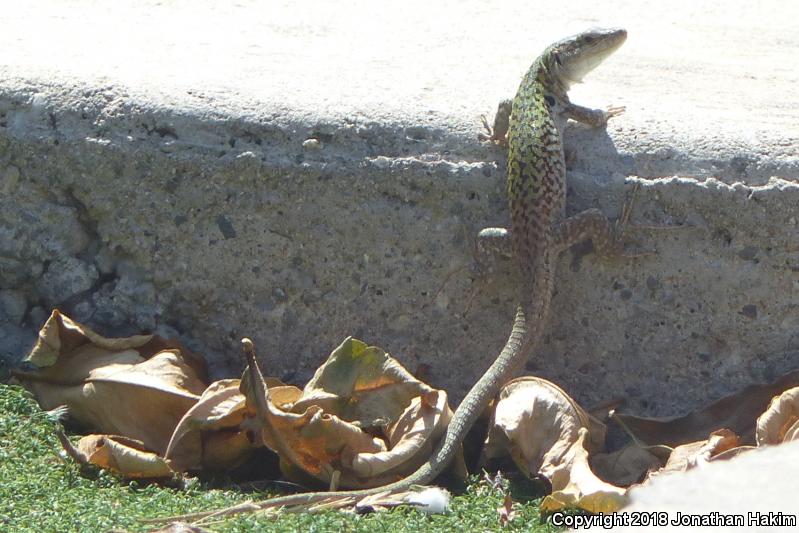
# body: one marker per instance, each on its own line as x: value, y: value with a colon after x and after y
x: 574, y: 57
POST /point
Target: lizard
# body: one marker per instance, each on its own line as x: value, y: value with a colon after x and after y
x: 536, y: 186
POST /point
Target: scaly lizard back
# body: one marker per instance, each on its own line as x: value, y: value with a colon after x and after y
x: 537, y: 170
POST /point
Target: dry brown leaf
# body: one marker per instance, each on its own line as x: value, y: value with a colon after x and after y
x: 139, y: 386
x: 410, y: 439
x: 357, y: 381
x: 690, y: 455
x: 575, y: 485
x: 121, y: 403
x: 546, y: 433
x: 630, y: 464
x: 738, y: 412
x: 780, y: 422
x: 536, y: 422
x: 324, y: 444
x: 124, y: 456
x: 361, y: 383
x: 720, y: 445
x: 316, y: 443
x: 732, y: 452
x: 61, y: 336
x: 209, y: 434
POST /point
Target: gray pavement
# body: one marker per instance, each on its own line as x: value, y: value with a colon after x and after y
x: 690, y: 66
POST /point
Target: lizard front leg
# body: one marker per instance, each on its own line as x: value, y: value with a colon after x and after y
x: 591, y: 117
x: 499, y: 132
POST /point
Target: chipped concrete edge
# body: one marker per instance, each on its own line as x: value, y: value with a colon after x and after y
x: 321, y: 227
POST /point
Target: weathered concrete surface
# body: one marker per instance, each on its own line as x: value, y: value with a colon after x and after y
x: 761, y: 482
x: 310, y: 172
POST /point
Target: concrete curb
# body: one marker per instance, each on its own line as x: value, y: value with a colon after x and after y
x: 302, y: 202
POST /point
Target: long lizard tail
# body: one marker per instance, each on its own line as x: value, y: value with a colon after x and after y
x: 462, y: 420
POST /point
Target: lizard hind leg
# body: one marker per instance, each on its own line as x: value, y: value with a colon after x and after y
x: 589, y: 224
x: 491, y: 244
x: 608, y: 238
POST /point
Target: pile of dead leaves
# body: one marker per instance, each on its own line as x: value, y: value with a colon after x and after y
x: 364, y: 421
x: 547, y: 434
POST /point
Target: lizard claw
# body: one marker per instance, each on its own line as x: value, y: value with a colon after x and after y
x: 613, y: 112
x: 626, y: 211
x: 489, y: 135
x: 486, y: 126
x: 623, y: 223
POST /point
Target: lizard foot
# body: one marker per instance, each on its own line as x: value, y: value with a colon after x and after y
x: 499, y: 132
x: 620, y: 228
x: 623, y: 225
x: 612, y: 111
x: 488, y: 136
x: 492, y: 243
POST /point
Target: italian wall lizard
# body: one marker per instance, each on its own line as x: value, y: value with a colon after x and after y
x: 539, y: 231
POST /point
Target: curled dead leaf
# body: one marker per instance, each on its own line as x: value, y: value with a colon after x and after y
x: 536, y: 422
x: 361, y: 383
x: 329, y: 430
x: 695, y: 454
x: 410, y: 438
x: 209, y: 434
x: 574, y: 484
x: 124, y: 456
x: 720, y: 445
x: 547, y: 433
x: 780, y: 422
x: 630, y: 464
x: 61, y: 337
x: 137, y: 386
